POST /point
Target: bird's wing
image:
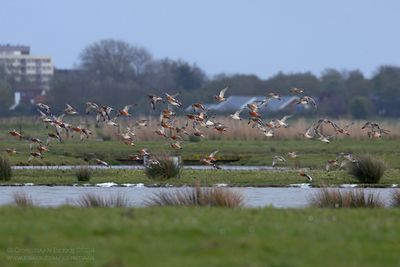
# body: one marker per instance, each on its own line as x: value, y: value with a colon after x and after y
x: 222, y: 92
x: 310, y: 99
x: 42, y: 115
x: 285, y: 118
x: 213, y: 154
x: 175, y: 95
x: 237, y: 113
x: 59, y: 118
x: 127, y: 107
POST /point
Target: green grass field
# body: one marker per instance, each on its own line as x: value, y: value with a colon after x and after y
x: 190, y: 177
x: 199, y: 237
x: 312, y: 153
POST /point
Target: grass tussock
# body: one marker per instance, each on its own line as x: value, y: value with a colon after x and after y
x: 83, y: 174
x: 395, y: 198
x: 367, y: 169
x: 90, y: 200
x: 21, y: 199
x: 167, y: 167
x: 198, y: 196
x: 334, y: 198
x: 5, y: 168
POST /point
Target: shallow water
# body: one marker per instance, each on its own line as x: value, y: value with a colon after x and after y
x: 50, y: 196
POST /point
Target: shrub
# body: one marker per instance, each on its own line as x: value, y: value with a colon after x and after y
x: 395, y: 199
x: 367, y: 169
x: 5, y: 168
x: 334, y: 198
x: 83, y: 174
x: 167, y: 168
x: 197, y: 196
x: 97, y: 201
x: 194, y: 139
x: 21, y: 199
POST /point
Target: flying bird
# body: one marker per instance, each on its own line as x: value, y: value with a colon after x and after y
x: 236, y: 115
x: 296, y: 91
x: 70, y: 110
x: 102, y: 163
x: 11, y: 151
x: 276, y: 159
x: 154, y: 100
x: 35, y: 155
x: 303, y: 174
x: 307, y: 100
x: 221, y: 96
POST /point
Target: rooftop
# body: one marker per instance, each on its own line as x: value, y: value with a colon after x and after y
x: 8, y: 49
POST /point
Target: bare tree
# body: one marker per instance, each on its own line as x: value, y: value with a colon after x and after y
x: 114, y: 59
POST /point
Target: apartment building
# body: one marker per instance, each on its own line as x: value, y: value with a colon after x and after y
x: 18, y: 62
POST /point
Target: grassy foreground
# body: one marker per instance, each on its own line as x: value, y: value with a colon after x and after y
x: 312, y: 153
x: 190, y: 177
x: 199, y: 237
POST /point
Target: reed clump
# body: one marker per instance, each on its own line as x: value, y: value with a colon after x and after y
x: 21, y: 199
x: 163, y: 167
x: 198, y: 196
x: 335, y: 198
x: 5, y: 168
x: 90, y: 200
x: 395, y: 198
x: 367, y: 169
x: 83, y: 174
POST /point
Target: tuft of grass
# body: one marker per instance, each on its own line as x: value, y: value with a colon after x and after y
x: 21, y: 199
x: 197, y: 196
x: 194, y: 139
x: 84, y: 174
x: 166, y: 168
x: 367, y: 169
x: 395, y: 198
x: 90, y: 200
x: 5, y: 168
x: 334, y: 198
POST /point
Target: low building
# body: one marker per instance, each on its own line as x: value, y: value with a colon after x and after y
x: 24, y: 67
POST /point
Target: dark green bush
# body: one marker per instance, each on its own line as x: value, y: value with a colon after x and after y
x: 194, y: 139
x: 5, y: 168
x: 83, y: 174
x: 166, y: 168
x: 367, y: 169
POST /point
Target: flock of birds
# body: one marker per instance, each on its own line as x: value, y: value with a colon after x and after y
x: 197, y: 120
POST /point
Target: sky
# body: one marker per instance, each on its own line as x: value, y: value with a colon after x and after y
x: 220, y: 36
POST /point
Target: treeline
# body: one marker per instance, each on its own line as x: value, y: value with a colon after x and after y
x: 117, y: 73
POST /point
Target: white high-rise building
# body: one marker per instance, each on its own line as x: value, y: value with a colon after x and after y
x: 18, y: 62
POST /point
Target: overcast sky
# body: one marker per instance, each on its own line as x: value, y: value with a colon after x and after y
x: 231, y: 36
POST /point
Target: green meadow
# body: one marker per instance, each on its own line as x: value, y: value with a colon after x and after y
x: 174, y: 237
x: 191, y: 177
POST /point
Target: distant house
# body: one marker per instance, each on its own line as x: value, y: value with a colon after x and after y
x: 234, y: 103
